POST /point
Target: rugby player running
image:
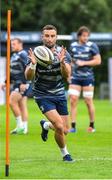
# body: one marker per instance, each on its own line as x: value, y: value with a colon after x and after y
x: 49, y: 92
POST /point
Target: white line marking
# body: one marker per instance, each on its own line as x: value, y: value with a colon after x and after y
x: 54, y: 160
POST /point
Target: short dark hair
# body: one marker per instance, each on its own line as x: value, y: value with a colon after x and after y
x: 49, y: 27
x: 82, y: 29
x: 17, y: 39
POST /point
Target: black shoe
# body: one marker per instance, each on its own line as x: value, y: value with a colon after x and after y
x: 44, y: 132
x: 68, y: 158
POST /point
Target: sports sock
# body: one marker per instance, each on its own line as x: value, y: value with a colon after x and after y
x: 47, y: 125
x: 19, y: 122
x: 73, y: 124
x: 25, y: 124
x: 91, y: 124
x: 64, y: 151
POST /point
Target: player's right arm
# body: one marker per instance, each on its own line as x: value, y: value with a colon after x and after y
x: 30, y: 69
x: 96, y: 60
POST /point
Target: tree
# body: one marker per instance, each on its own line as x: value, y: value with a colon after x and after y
x: 67, y: 15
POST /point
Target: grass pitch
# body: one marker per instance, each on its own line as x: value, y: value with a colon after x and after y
x: 31, y: 158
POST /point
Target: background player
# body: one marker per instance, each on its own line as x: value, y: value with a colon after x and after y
x: 49, y: 90
x: 19, y: 86
x: 85, y: 56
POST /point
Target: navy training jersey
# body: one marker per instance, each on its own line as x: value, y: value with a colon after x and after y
x: 48, y: 81
x: 17, y: 67
x: 83, y: 52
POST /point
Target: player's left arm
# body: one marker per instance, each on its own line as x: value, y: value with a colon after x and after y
x: 65, y: 63
x: 24, y: 57
x: 65, y: 70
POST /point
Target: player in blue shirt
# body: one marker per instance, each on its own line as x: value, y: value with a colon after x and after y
x: 85, y: 56
x: 49, y: 90
x: 19, y: 86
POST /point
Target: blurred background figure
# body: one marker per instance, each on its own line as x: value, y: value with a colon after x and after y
x: 85, y: 56
x: 2, y: 79
x: 19, y: 86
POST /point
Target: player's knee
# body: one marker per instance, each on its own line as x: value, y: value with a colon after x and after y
x: 88, y: 94
x: 73, y: 100
x: 59, y: 127
x: 11, y: 103
x: 88, y: 101
x: 66, y: 131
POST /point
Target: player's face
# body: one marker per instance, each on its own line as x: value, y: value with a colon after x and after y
x: 49, y: 38
x: 84, y: 37
x: 15, y: 45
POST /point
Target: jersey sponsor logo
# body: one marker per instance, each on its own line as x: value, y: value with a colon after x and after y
x: 81, y: 55
x: 49, y: 70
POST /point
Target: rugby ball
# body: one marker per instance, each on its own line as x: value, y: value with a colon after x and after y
x: 43, y: 55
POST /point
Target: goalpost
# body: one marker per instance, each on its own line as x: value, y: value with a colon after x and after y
x: 8, y: 91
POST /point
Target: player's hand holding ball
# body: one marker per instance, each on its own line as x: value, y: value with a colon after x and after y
x: 62, y: 55
x: 32, y: 57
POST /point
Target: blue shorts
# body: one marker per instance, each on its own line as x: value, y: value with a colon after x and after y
x: 16, y: 87
x: 46, y: 105
x: 82, y: 82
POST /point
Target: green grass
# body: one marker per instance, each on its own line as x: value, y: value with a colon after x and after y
x: 31, y: 158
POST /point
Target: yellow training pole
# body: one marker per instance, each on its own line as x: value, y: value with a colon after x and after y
x: 8, y: 91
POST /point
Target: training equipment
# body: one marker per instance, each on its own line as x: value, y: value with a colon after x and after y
x: 8, y: 91
x: 44, y: 55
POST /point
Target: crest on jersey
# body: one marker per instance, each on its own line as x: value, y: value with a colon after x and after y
x: 79, y: 52
x: 87, y: 49
x: 74, y: 49
x: 49, y: 67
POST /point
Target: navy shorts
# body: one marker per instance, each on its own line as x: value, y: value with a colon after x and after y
x: 16, y: 87
x: 46, y: 105
x: 82, y: 82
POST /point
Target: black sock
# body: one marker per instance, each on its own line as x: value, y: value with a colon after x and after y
x: 91, y: 124
x: 73, y: 124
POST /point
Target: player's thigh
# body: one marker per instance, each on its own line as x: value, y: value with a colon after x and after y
x: 45, y: 105
x: 74, y: 92
x: 54, y: 117
x: 49, y: 108
x: 88, y: 92
x: 15, y: 97
x: 61, y: 107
